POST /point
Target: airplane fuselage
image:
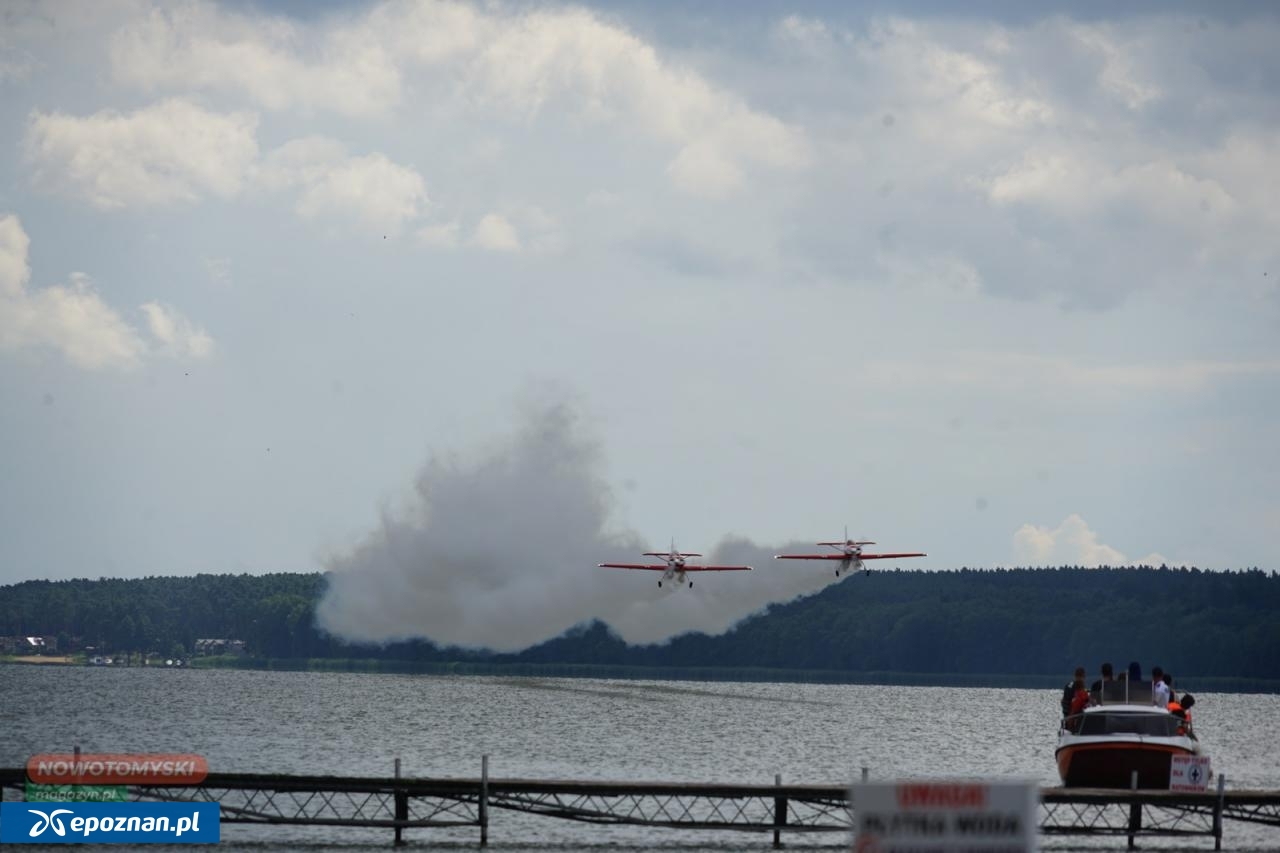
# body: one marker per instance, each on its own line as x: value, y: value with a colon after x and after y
x: 850, y: 561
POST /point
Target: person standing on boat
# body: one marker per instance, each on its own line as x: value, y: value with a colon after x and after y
x: 1187, y: 701
x: 1080, y: 700
x: 1106, y: 677
x: 1069, y: 691
x: 1159, y: 689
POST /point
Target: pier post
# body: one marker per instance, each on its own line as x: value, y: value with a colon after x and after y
x: 401, y: 807
x: 1217, y: 813
x: 484, y: 800
x: 1135, y: 810
x: 779, y: 813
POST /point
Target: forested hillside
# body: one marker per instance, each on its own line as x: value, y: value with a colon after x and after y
x: 1015, y: 621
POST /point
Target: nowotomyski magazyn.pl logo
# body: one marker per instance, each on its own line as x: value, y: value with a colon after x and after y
x: 109, y: 823
x: 54, y: 768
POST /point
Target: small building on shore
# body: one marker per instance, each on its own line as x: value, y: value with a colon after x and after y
x: 208, y: 647
x: 28, y: 645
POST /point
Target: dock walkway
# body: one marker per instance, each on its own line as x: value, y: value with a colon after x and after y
x: 407, y: 803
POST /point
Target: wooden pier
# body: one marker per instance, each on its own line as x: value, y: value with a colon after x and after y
x: 408, y: 803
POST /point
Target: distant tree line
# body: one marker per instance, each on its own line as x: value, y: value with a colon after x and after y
x: 965, y: 622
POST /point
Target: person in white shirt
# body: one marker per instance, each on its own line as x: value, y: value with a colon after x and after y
x: 1159, y: 690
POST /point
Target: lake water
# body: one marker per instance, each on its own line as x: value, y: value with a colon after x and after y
x: 358, y: 724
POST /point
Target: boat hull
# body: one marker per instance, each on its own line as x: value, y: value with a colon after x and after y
x: 1111, y: 765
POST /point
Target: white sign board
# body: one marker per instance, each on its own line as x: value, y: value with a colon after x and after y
x: 1189, y: 773
x: 945, y: 816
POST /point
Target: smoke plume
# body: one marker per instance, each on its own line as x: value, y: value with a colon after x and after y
x: 500, y: 553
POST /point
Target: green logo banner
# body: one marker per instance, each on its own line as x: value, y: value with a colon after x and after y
x: 76, y: 793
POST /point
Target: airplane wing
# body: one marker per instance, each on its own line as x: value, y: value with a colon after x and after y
x: 717, y: 568
x: 888, y: 556
x: 665, y: 554
x: 812, y: 557
x: 849, y: 557
x: 661, y: 568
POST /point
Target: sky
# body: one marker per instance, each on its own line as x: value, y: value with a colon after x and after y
x: 998, y: 285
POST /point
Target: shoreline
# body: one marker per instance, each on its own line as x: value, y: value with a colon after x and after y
x: 1208, y: 684
x: 746, y: 675
x: 41, y: 660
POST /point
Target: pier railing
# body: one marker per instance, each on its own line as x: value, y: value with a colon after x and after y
x: 405, y: 803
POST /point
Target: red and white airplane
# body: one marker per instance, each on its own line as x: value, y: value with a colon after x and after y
x: 675, y: 566
x: 849, y: 553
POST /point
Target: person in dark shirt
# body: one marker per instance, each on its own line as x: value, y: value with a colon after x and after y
x: 1069, y: 692
x: 1107, y: 673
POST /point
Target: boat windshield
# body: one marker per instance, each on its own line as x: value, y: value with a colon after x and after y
x: 1122, y: 693
x: 1152, y: 725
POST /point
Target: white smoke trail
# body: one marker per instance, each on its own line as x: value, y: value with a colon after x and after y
x: 501, y: 554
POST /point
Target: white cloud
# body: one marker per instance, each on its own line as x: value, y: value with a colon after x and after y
x: 300, y: 161
x: 495, y: 234
x: 518, y: 227
x: 1134, y: 138
x: 704, y: 170
x: 610, y: 75
x: 74, y: 320
x: 378, y: 195
x: 508, y: 63
x: 1073, y: 183
x: 1071, y: 543
x: 176, y: 334
x: 963, y: 94
x: 174, y: 151
x: 1118, y: 76
x: 14, y: 248
x: 202, y: 46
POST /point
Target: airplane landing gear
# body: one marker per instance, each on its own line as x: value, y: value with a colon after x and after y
x: 659, y: 584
